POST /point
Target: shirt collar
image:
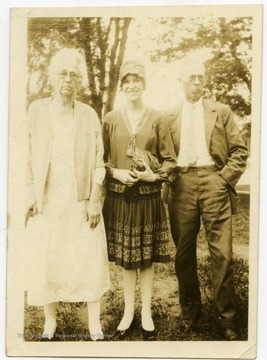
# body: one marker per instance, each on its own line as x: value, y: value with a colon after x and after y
x: 187, y: 105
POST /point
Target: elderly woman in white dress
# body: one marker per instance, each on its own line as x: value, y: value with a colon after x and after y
x: 66, y: 240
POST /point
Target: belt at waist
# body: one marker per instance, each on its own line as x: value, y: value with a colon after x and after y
x: 186, y: 169
x: 131, y: 196
x: 143, y: 188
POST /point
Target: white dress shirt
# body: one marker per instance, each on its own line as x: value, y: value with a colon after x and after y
x: 199, y: 147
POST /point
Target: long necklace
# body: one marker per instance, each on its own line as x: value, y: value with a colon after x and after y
x: 133, y: 130
x: 135, y: 120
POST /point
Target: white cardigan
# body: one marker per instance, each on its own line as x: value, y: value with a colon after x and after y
x: 88, y: 150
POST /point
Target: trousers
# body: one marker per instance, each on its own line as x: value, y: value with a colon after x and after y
x: 202, y: 194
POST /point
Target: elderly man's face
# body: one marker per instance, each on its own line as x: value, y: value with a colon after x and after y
x: 193, y: 80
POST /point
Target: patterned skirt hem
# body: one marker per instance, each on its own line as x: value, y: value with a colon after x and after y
x: 138, y: 264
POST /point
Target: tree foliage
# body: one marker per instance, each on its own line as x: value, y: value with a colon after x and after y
x: 229, y: 41
x: 101, y: 40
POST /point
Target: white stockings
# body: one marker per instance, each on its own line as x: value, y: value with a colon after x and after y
x: 94, y: 320
x: 50, y: 320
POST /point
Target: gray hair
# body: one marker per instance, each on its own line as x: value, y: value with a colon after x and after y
x: 69, y: 54
x: 186, y: 65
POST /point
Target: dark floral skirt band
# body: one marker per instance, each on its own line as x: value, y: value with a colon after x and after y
x: 144, y: 188
x: 134, y: 193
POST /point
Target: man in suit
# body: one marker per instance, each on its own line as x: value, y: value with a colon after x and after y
x: 211, y: 157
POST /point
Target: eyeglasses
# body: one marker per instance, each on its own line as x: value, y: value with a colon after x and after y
x: 193, y: 78
x: 72, y: 75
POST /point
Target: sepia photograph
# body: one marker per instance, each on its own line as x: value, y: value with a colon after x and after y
x: 133, y: 181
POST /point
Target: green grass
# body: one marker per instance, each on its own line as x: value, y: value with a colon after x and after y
x: 72, y: 318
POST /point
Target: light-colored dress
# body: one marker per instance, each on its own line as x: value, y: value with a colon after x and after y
x: 67, y: 259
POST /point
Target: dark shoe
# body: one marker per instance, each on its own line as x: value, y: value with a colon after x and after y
x: 230, y: 334
x: 148, y: 335
x: 123, y: 334
x: 188, y: 323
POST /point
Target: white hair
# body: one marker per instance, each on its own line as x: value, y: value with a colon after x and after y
x: 67, y: 56
x: 187, y: 64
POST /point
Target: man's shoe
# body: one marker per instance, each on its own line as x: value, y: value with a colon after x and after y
x: 188, y: 324
x: 230, y: 334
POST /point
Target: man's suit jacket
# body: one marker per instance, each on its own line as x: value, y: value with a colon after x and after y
x: 223, y: 139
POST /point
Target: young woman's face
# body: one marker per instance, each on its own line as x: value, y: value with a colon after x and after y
x: 132, y: 87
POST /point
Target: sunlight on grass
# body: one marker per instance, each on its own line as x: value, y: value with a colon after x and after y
x: 72, y: 318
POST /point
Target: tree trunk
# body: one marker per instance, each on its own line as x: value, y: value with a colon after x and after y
x: 116, y: 59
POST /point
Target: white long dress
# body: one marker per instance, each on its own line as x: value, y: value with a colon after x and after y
x: 67, y: 260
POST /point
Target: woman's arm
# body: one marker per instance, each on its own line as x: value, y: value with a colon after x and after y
x: 165, y: 154
x: 165, y: 151
x: 30, y: 200
x: 126, y: 177
x: 94, y: 207
x: 106, y: 142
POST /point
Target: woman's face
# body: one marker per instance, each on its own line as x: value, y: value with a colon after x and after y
x: 66, y: 80
x: 132, y: 87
